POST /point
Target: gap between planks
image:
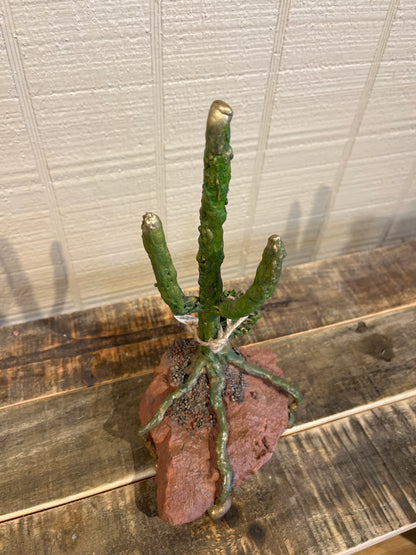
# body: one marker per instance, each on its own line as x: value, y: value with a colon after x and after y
x: 150, y: 473
x: 356, y: 319
x: 377, y: 540
x: 75, y: 389
x: 350, y: 412
x: 78, y: 496
x: 258, y: 344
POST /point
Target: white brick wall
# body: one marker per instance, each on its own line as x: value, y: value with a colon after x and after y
x: 102, y: 114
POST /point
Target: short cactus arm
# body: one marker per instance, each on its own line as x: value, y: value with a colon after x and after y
x: 155, y: 244
x: 217, y: 173
x: 264, y: 284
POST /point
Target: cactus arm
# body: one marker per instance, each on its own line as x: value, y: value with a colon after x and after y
x: 217, y: 173
x: 155, y: 244
x: 263, y: 286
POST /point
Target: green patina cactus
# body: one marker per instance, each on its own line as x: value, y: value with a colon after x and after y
x: 220, y: 313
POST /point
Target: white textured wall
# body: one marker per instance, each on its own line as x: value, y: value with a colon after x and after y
x: 102, y: 113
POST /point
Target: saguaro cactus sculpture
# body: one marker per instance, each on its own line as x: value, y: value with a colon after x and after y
x: 220, y: 314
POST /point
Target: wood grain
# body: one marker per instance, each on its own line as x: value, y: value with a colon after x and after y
x: 324, y: 491
x: 75, y: 476
x: 350, y: 364
x: 73, y: 351
x: 398, y: 545
x: 86, y: 441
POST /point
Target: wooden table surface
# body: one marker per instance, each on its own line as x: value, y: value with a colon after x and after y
x: 76, y: 478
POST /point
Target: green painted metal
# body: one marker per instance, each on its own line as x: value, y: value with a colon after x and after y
x: 215, y: 307
x: 155, y: 244
x: 217, y: 174
x: 238, y: 360
x: 217, y: 385
x: 157, y: 418
x: 264, y: 284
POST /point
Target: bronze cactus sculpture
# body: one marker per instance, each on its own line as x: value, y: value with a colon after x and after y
x: 220, y: 314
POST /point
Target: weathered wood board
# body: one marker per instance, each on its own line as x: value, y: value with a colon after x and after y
x: 325, y: 490
x: 82, y: 441
x: 350, y: 364
x: 85, y: 348
x: 75, y: 477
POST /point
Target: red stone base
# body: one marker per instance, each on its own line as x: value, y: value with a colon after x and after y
x: 187, y: 477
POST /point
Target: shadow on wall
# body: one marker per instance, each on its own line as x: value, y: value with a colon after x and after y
x: 403, y: 229
x: 347, y: 236
x: 300, y: 244
x: 18, y: 298
x: 362, y: 232
x: 18, y: 286
x: 377, y: 231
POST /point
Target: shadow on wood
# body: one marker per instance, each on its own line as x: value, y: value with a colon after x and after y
x: 124, y: 424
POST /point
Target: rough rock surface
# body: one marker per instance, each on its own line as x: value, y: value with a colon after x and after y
x: 187, y: 477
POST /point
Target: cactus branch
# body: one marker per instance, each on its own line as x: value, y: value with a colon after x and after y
x: 155, y: 244
x: 217, y: 173
x: 177, y: 394
x: 217, y: 385
x: 263, y: 286
x: 237, y: 359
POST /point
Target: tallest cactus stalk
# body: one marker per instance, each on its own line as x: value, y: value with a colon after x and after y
x: 217, y: 173
x: 218, y: 311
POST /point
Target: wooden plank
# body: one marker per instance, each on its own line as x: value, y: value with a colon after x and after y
x: 326, y: 490
x: 350, y: 364
x: 77, y: 350
x: 398, y: 545
x: 81, y: 442
x: 61, y: 447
